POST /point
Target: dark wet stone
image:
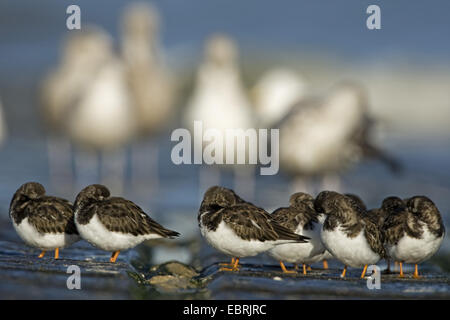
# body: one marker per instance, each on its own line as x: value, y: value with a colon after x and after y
x: 25, y: 276
x: 172, y: 277
x: 268, y: 282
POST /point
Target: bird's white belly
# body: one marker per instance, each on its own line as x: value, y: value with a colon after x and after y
x: 411, y: 250
x: 96, y: 234
x: 226, y: 241
x: 354, y: 252
x: 43, y: 241
x: 309, y: 252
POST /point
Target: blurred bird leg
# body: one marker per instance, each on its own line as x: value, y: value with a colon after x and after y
x: 300, y: 184
x: 233, y: 260
x: 401, y: 275
x: 344, y: 272
x: 364, y: 271
x: 244, y: 181
x: 86, y: 167
x: 145, y: 166
x: 59, y: 162
x: 112, y: 169
x: 114, y: 256
x: 416, y: 272
x: 42, y: 254
x: 283, y: 267
x: 325, y: 264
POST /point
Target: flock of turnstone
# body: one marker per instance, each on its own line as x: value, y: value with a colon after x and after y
x: 309, y: 230
x: 331, y: 225
x: 109, y: 223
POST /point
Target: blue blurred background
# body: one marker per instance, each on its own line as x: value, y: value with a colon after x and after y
x: 405, y: 68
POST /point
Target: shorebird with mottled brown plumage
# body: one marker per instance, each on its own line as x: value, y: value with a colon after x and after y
x: 348, y: 233
x: 238, y: 228
x: 42, y: 221
x: 114, y: 223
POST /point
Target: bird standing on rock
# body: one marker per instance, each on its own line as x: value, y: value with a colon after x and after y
x: 347, y: 232
x: 114, y: 223
x: 413, y: 230
x: 238, y: 228
x: 42, y: 221
x: 301, y: 218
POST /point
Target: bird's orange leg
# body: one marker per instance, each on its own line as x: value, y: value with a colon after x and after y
x: 229, y: 265
x: 344, y: 272
x: 325, y: 264
x: 304, y: 269
x: 364, y: 272
x: 42, y: 254
x: 296, y: 267
x: 283, y: 267
x: 114, y: 256
x: 234, y: 266
x: 416, y: 272
x: 401, y: 275
x: 309, y: 268
x: 56, y: 253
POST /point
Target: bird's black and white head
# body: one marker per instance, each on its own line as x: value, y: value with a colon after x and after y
x: 393, y: 205
x: 326, y: 202
x: 27, y: 192
x: 216, y: 198
x: 422, y: 206
x: 301, y: 199
x: 357, y: 200
x: 425, y: 210
x: 335, y: 204
x: 91, y: 194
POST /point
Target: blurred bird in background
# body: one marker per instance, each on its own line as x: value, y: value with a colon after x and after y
x: 150, y: 85
x: 323, y: 136
x: 275, y: 93
x: 85, y: 99
x: 103, y: 101
x: 220, y: 102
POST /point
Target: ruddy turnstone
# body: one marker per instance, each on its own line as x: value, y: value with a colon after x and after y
x: 238, y: 228
x: 114, y: 223
x: 357, y: 200
x: 348, y: 233
x: 42, y: 221
x: 301, y: 218
x: 413, y: 230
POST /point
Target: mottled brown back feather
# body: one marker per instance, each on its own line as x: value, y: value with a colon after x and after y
x: 121, y: 215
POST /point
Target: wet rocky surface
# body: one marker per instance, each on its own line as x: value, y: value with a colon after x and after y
x: 136, y: 276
